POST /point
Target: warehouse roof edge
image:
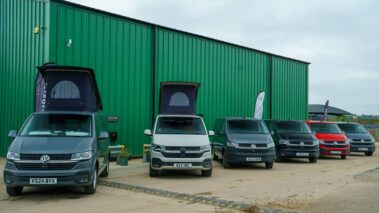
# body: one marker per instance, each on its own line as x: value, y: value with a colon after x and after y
x: 168, y: 28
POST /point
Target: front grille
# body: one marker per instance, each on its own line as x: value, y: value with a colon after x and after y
x: 248, y: 145
x: 48, y: 166
x: 52, y: 156
x: 253, y: 150
x: 182, y: 155
x: 330, y: 144
x: 179, y: 148
x: 361, y: 140
x: 307, y: 143
x: 298, y: 148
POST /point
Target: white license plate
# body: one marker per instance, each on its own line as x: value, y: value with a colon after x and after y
x: 182, y: 165
x: 253, y: 159
x: 302, y: 154
x: 363, y: 149
x: 37, y: 181
x: 336, y: 152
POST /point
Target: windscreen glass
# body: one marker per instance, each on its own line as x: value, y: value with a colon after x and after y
x: 57, y: 125
x: 180, y: 125
x: 325, y: 128
x: 352, y: 128
x: 246, y: 127
x: 293, y: 127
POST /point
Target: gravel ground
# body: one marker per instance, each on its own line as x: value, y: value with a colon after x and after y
x: 330, y: 185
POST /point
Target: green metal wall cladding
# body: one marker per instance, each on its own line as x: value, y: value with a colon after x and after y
x: 131, y: 58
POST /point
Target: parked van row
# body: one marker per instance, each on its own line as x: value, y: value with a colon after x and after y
x: 65, y: 141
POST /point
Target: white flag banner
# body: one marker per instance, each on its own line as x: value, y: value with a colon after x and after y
x: 258, y: 113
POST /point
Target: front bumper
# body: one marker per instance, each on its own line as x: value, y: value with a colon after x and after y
x: 233, y: 155
x: 335, y: 151
x: 79, y: 175
x: 299, y: 153
x: 362, y: 147
x: 160, y: 162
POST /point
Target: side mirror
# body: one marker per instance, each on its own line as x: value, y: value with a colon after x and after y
x: 12, y: 134
x: 103, y: 136
x: 147, y: 132
x: 272, y: 132
x: 211, y: 133
x: 219, y: 132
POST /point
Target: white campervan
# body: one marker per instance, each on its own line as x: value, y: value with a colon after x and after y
x: 180, y: 140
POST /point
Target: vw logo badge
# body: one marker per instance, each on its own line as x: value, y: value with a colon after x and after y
x: 301, y: 143
x: 253, y: 146
x: 335, y: 142
x: 44, y: 159
x: 362, y: 140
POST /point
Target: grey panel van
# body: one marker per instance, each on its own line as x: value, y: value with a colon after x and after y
x: 242, y: 140
x: 360, y: 139
x: 65, y: 141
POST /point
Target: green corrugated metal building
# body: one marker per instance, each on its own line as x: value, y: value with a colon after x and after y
x: 130, y: 58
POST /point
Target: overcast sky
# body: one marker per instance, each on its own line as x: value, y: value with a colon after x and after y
x: 339, y: 38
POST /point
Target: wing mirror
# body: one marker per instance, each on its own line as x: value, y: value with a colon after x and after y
x: 272, y: 132
x: 12, y: 134
x: 211, y: 133
x: 147, y: 132
x: 103, y: 136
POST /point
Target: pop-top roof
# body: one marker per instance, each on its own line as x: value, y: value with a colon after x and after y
x: 178, y: 97
x: 66, y: 88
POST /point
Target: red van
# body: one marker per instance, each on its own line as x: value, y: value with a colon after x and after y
x: 331, y: 139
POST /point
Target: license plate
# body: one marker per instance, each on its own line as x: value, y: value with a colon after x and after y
x: 182, y: 165
x: 302, y: 154
x: 37, y: 181
x: 363, y: 149
x: 336, y: 152
x: 253, y: 159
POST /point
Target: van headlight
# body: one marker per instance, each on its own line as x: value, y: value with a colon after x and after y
x: 232, y: 144
x: 270, y: 145
x: 82, y: 156
x: 373, y: 140
x: 13, y: 156
x: 159, y: 148
x: 286, y: 142
x: 316, y: 142
x: 205, y: 148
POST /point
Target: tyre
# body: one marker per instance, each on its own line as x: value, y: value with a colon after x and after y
x: 14, y: 191
x: 269, y: 165
x: 225, y: 163
x: 153, y: 172
x: 343, y: 157
x: 206, y: 173
x: 369, y: 153
x: 313, y: 159
x: 105, y: 173
x: 91, y: 189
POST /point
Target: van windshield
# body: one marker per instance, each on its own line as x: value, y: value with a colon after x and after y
x: 292, y: 127
x: 325, y: 128
x: 180, y: 125
x: 246, y: 127
x: 352, y: 128
x: 57, y: 125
